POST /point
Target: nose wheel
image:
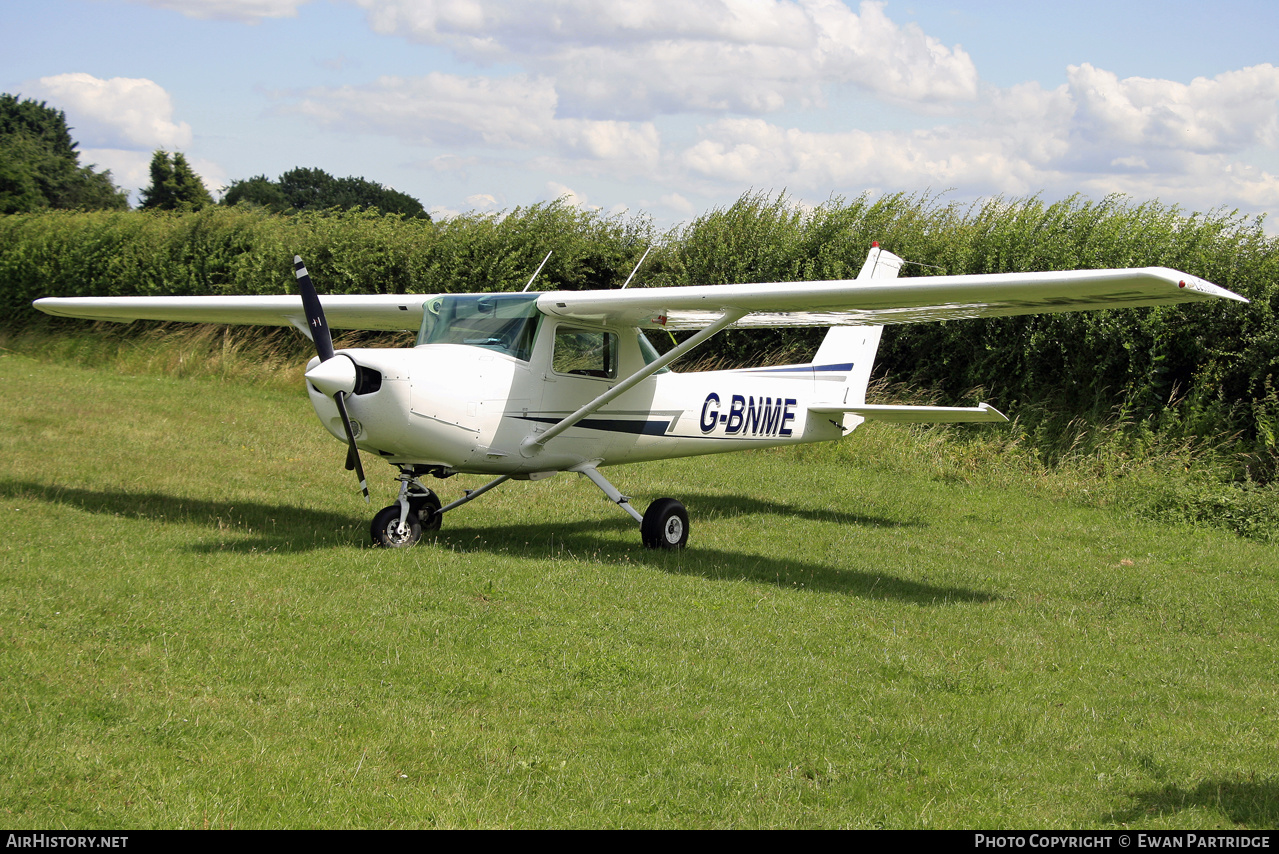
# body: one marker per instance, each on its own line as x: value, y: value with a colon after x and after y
x: 390, y: 532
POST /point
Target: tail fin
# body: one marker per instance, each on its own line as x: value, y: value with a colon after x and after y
x: 850, y: 350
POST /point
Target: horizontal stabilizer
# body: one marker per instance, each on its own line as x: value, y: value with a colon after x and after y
x: 917, y: 414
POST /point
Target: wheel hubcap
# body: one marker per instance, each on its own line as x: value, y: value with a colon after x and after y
x: 674, y: 529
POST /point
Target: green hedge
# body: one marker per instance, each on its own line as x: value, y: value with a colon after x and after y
x: 1204, y: 369
x: 250, y: 251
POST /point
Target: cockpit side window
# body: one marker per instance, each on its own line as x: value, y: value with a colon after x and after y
x: 506, y: 323
x: 585, y: 353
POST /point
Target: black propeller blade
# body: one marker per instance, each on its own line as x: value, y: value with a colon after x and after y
x: 324, y: 349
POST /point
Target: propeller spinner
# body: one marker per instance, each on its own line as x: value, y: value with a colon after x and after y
x: 335, y: 375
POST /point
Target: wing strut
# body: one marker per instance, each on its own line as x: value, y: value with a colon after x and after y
x: 533, y: 445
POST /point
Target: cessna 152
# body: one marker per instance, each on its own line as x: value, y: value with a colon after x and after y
x: 527, y: 385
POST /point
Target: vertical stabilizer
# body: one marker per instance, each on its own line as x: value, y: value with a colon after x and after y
x: 848, y: 352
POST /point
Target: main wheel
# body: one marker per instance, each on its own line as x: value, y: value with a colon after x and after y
x: 386, y: 529
x: 427, y: 509
x: 665, y: 525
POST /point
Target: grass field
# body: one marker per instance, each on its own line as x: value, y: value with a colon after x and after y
x: 869, y: 634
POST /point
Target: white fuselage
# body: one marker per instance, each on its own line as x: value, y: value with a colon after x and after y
x: 468, y: 408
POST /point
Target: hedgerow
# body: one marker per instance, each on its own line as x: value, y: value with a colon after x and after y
x: 1207, y: 369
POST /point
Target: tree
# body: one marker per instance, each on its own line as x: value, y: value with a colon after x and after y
x: 40, y: 167
x: 258, y: 190
x: 304, y: 189
x: 174, y: 185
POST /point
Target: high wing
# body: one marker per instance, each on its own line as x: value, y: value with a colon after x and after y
x: 834, y: 303
x: 886, y: 301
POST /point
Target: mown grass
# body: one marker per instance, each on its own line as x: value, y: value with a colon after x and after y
x: 895, y: 631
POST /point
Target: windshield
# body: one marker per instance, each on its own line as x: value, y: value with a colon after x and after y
x: 502, y: 322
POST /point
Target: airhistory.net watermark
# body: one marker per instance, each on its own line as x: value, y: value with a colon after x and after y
x: 63, y: 840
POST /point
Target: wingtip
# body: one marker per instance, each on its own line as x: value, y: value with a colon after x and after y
x: 1211, y: 290
x: 994, y: 414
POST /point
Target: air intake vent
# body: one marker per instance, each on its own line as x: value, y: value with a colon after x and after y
x: 367, y: 380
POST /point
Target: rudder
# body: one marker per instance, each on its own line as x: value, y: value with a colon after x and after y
x: 850, y: 350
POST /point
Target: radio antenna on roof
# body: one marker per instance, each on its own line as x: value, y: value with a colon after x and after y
x: 637, y: 266
x: 538, y: 270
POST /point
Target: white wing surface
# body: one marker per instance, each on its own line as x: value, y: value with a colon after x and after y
x: 387, y: 312
x: 835, y: 303
x: 884, y: 301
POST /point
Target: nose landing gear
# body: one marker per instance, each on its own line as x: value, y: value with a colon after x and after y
x: 401, y: 524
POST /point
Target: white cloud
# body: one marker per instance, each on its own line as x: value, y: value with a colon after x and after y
x: 439, y: 108
x: 1227, y: 113
x: 123, y: 112
x: 443, y: 212
x: 503, y: 113
x: 598, y: 91
x: 566, y: 194
x: 483, y: 202
x: 640, y: 58
x: 1025, y: 140
x: 212, y: 174
x: 679, y: 204
x: 247, y: 11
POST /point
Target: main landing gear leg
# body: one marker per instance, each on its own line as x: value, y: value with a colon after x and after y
x: 663, y: 526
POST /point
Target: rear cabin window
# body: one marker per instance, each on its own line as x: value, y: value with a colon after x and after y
x: 649, y: 352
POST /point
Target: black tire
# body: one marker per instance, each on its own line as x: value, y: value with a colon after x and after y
x: 386, y: 528
x: 427, y: 509
x: 665, y: 525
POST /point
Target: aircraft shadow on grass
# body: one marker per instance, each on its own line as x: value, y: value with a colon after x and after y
x: 729, y: 506
x: 269, y: 526
x: 1253, y: 803
x: 583, y: 540
x: 265, y: 528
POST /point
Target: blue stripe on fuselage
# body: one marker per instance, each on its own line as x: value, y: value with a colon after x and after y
x: 610, y: 425
x: 794, y: 369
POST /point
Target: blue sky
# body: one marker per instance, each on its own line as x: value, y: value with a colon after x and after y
x: 671, y: 107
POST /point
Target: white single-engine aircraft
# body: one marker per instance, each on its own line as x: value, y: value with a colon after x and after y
x: 527, y: 385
